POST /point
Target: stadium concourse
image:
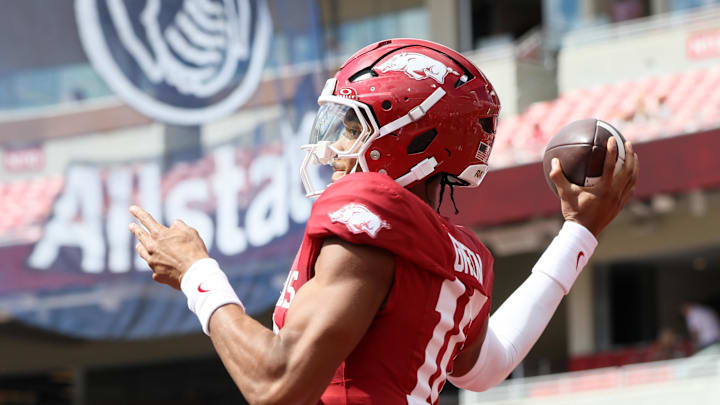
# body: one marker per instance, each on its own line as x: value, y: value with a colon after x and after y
x: 645, y: 110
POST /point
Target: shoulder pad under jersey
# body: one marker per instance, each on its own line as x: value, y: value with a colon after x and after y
x: 372, y: 209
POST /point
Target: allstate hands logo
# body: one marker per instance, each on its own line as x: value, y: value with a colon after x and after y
x: 179, y: 61
x: 198, y: 52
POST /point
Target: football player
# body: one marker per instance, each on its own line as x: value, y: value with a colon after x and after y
x: 386, y: 299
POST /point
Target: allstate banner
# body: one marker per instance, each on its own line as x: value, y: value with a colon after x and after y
x: 186, y: 62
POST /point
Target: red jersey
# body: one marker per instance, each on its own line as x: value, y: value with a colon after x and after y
x: 439, y: 300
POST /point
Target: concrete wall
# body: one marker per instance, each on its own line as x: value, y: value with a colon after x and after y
x: 639, y: 233
x: 443, y: 16
x: 535, y: 82
x: 501, y: 68
x: 580, y: 325
x: 348, y: 10
x: 632, y: 51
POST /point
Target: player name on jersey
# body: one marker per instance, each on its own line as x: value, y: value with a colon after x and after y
x: 466, y: 260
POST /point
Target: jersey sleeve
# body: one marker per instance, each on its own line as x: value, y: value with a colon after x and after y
x: 372, y: 209
x: 488, y: 274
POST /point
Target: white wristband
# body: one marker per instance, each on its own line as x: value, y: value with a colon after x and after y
x: 568, y: 253
x: 207, y: 288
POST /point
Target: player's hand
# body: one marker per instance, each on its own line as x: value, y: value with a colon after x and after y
x: 595, y: 207
x: 168, y: 251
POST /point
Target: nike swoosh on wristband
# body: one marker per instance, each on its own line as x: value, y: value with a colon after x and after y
x: 200, y: 289
x: 579, y: 256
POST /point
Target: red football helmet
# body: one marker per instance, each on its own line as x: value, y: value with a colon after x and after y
x: 408, y: 108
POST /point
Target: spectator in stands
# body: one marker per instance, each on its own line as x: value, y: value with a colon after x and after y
x: 538, y: 134
x: 702, y: 323
x: 668, y: 346
x: 662, y: 111
x: 637, y: 116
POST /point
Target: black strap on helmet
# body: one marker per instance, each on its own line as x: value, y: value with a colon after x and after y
x: 446, y: 181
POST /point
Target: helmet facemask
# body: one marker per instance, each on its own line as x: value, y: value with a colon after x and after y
x: 342, y: 130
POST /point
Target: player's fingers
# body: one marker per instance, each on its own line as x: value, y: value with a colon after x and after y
x: 147, y: 220
x: 142, y: 236
x: 625, y: 173
x: 632, y: 182
x: 178, y: 223
x: 630, y: 154
x: 630, y: 158
x: 557, y: 176
x: 636, y: 171
x: 142, y: 251
x: 610, y: 158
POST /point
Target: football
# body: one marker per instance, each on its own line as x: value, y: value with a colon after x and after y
x: 580, y: 146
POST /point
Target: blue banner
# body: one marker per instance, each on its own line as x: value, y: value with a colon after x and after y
x: 73, y: 269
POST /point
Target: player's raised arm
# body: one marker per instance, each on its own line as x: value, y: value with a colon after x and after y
x: 326, y: 319
x: 518, y: 323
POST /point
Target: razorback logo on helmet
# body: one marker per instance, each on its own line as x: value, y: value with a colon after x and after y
x: 358, y: 219
x: 417, y: 66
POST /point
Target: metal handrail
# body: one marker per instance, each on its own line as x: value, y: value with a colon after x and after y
x: 599, y: 379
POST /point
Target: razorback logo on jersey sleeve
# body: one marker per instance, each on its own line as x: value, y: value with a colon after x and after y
x: 373, y: 209
x: 358, y: 218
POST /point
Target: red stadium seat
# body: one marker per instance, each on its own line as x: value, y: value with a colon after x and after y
x: 643, y: 110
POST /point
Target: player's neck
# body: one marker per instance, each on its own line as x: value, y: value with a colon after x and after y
x: 427, y: 190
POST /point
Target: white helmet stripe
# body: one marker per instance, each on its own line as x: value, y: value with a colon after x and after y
x: 414, y: 114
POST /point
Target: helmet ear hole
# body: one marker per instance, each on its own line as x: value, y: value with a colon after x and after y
x: 462, y: 80
x: 421, y: 142
x: 488, y: 125
x: 363, y: 74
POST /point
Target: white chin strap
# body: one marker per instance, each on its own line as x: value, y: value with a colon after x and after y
x: 418, y: 172
x: 428, y: 165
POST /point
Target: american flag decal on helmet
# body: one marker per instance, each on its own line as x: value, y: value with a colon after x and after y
x: 483, y: 152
